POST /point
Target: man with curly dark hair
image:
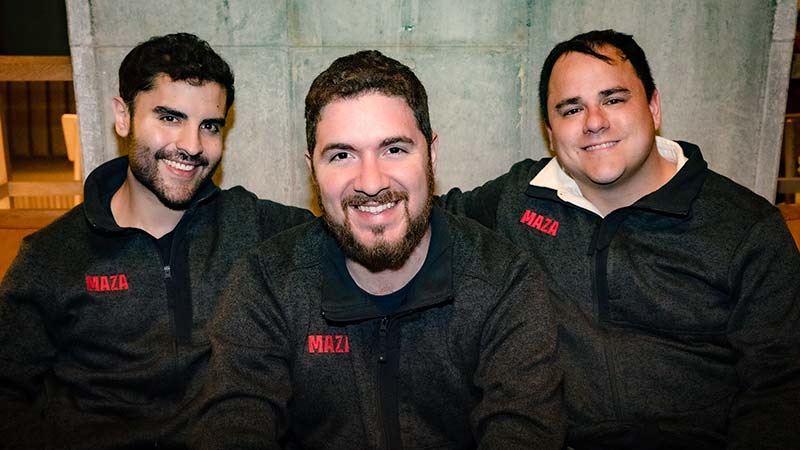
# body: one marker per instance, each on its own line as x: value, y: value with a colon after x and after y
x: 103, y: 314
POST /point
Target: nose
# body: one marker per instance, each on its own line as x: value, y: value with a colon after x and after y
x: 596, y: 120
x: 189, y: 141
x: 371, y: 179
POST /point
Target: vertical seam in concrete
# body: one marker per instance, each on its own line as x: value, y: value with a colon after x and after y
x: 84, y: 74
x: 776, y: 79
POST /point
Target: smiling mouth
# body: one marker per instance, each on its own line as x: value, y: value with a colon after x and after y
x: 600, y: 146
x: 377, y: 209
x: 179, y: 165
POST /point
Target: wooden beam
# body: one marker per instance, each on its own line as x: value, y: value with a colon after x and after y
x: 44, y: 188
x: 788, y: 185
x: 35, y: 68
x: 29, y: 218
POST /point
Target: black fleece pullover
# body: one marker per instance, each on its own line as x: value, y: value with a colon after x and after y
x: 679, y: 315
x: 102, y: 345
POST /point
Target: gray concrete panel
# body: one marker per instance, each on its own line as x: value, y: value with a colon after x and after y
x: 720, y: 66
x: 256, y: 152
x: 229, y: 22
x: 407, y: 22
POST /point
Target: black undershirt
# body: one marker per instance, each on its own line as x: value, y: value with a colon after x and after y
x: 165, y: 246
x: 389, y: 303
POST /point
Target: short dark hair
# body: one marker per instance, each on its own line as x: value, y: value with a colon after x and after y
x: 589, y: 43
x: 365, y: 72
x: 182, y: 57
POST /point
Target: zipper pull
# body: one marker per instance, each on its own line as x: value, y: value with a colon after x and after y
x: 168, y: 277
x: 384, y: 327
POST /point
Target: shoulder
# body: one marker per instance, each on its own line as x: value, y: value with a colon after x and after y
x: 524, y: 171
x: 61, y: 231
x: 480, y: 252
x: 238, y: 195
x: 727, y: 198
x: 293, y: 249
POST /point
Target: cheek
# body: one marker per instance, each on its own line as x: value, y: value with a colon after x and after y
x: 331, y: 189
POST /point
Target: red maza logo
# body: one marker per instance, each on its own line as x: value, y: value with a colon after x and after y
x: 106, y: 283
x: 539, y: 222
x: 328, y: 343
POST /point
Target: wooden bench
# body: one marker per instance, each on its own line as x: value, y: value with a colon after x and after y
x: 15, y: 224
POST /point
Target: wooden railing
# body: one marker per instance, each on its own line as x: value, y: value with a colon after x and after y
x: 32, y: 69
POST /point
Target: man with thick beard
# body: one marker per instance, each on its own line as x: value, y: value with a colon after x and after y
x: 103, y: 314
x: 387, y: 323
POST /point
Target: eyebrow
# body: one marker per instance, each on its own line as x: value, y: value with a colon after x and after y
x: 337, y: 146
x: 218, y: 121
x: 384, y: 143
x: 170, y: 111
x: 568, y: 101
x: 395, y: 140
x: 612, y: 91
x: 602, y: 94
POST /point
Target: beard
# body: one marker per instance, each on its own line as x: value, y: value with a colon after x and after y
x: 382, y: 255
x: 143, y: 162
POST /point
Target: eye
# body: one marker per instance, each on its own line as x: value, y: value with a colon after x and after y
x: 396, y: 150
x: 213, y: 128
x: 570, y: 111
x: 339, y: 156
x: 614, y: 101
x: 169, y: 119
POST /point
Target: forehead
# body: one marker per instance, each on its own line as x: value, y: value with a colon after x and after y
x: 206, y: 99
x: 371, y: 116
x: 576, y: 74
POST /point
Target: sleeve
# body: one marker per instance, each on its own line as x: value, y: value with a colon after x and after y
x: 275, y: 217
x: 480, y: 204
x: 27, y: 351
x: 248, y: 386
x: 764, y: 329
x: 518, y: 371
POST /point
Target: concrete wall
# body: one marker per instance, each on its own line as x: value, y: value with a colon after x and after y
x: 722, y: 67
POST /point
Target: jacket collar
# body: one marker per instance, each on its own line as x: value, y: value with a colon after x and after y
x: 344, y: 301
x: 105, y: 180
x: 675, y: 197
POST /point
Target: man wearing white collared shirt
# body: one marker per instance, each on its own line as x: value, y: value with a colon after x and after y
x: 676, y: 289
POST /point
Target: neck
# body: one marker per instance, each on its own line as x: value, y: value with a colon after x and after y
x: 388, y: 281
x: 652, y: 175
x: 135, y: 206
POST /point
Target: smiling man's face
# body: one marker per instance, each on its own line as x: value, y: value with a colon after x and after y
x: 175, y: 137
x: 374, y: 174
x: 602, y: 126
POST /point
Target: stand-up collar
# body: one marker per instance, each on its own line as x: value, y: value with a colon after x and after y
x: 677, y: 195
x: 105, y: 180
x: 343, y: 301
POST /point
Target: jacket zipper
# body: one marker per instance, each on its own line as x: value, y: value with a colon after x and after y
x: 171, y: 305
x: 387, y: 388
x: 601, y: 264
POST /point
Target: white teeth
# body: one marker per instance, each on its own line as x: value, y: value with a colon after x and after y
x: 177, y: 165
x: 376, y: 209
x: 601, y: 146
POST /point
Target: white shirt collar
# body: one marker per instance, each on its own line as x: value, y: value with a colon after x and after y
x: 553, y: 176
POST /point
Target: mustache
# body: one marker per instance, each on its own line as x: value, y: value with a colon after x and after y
x: 359, y: 199
x: 183, y: 156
